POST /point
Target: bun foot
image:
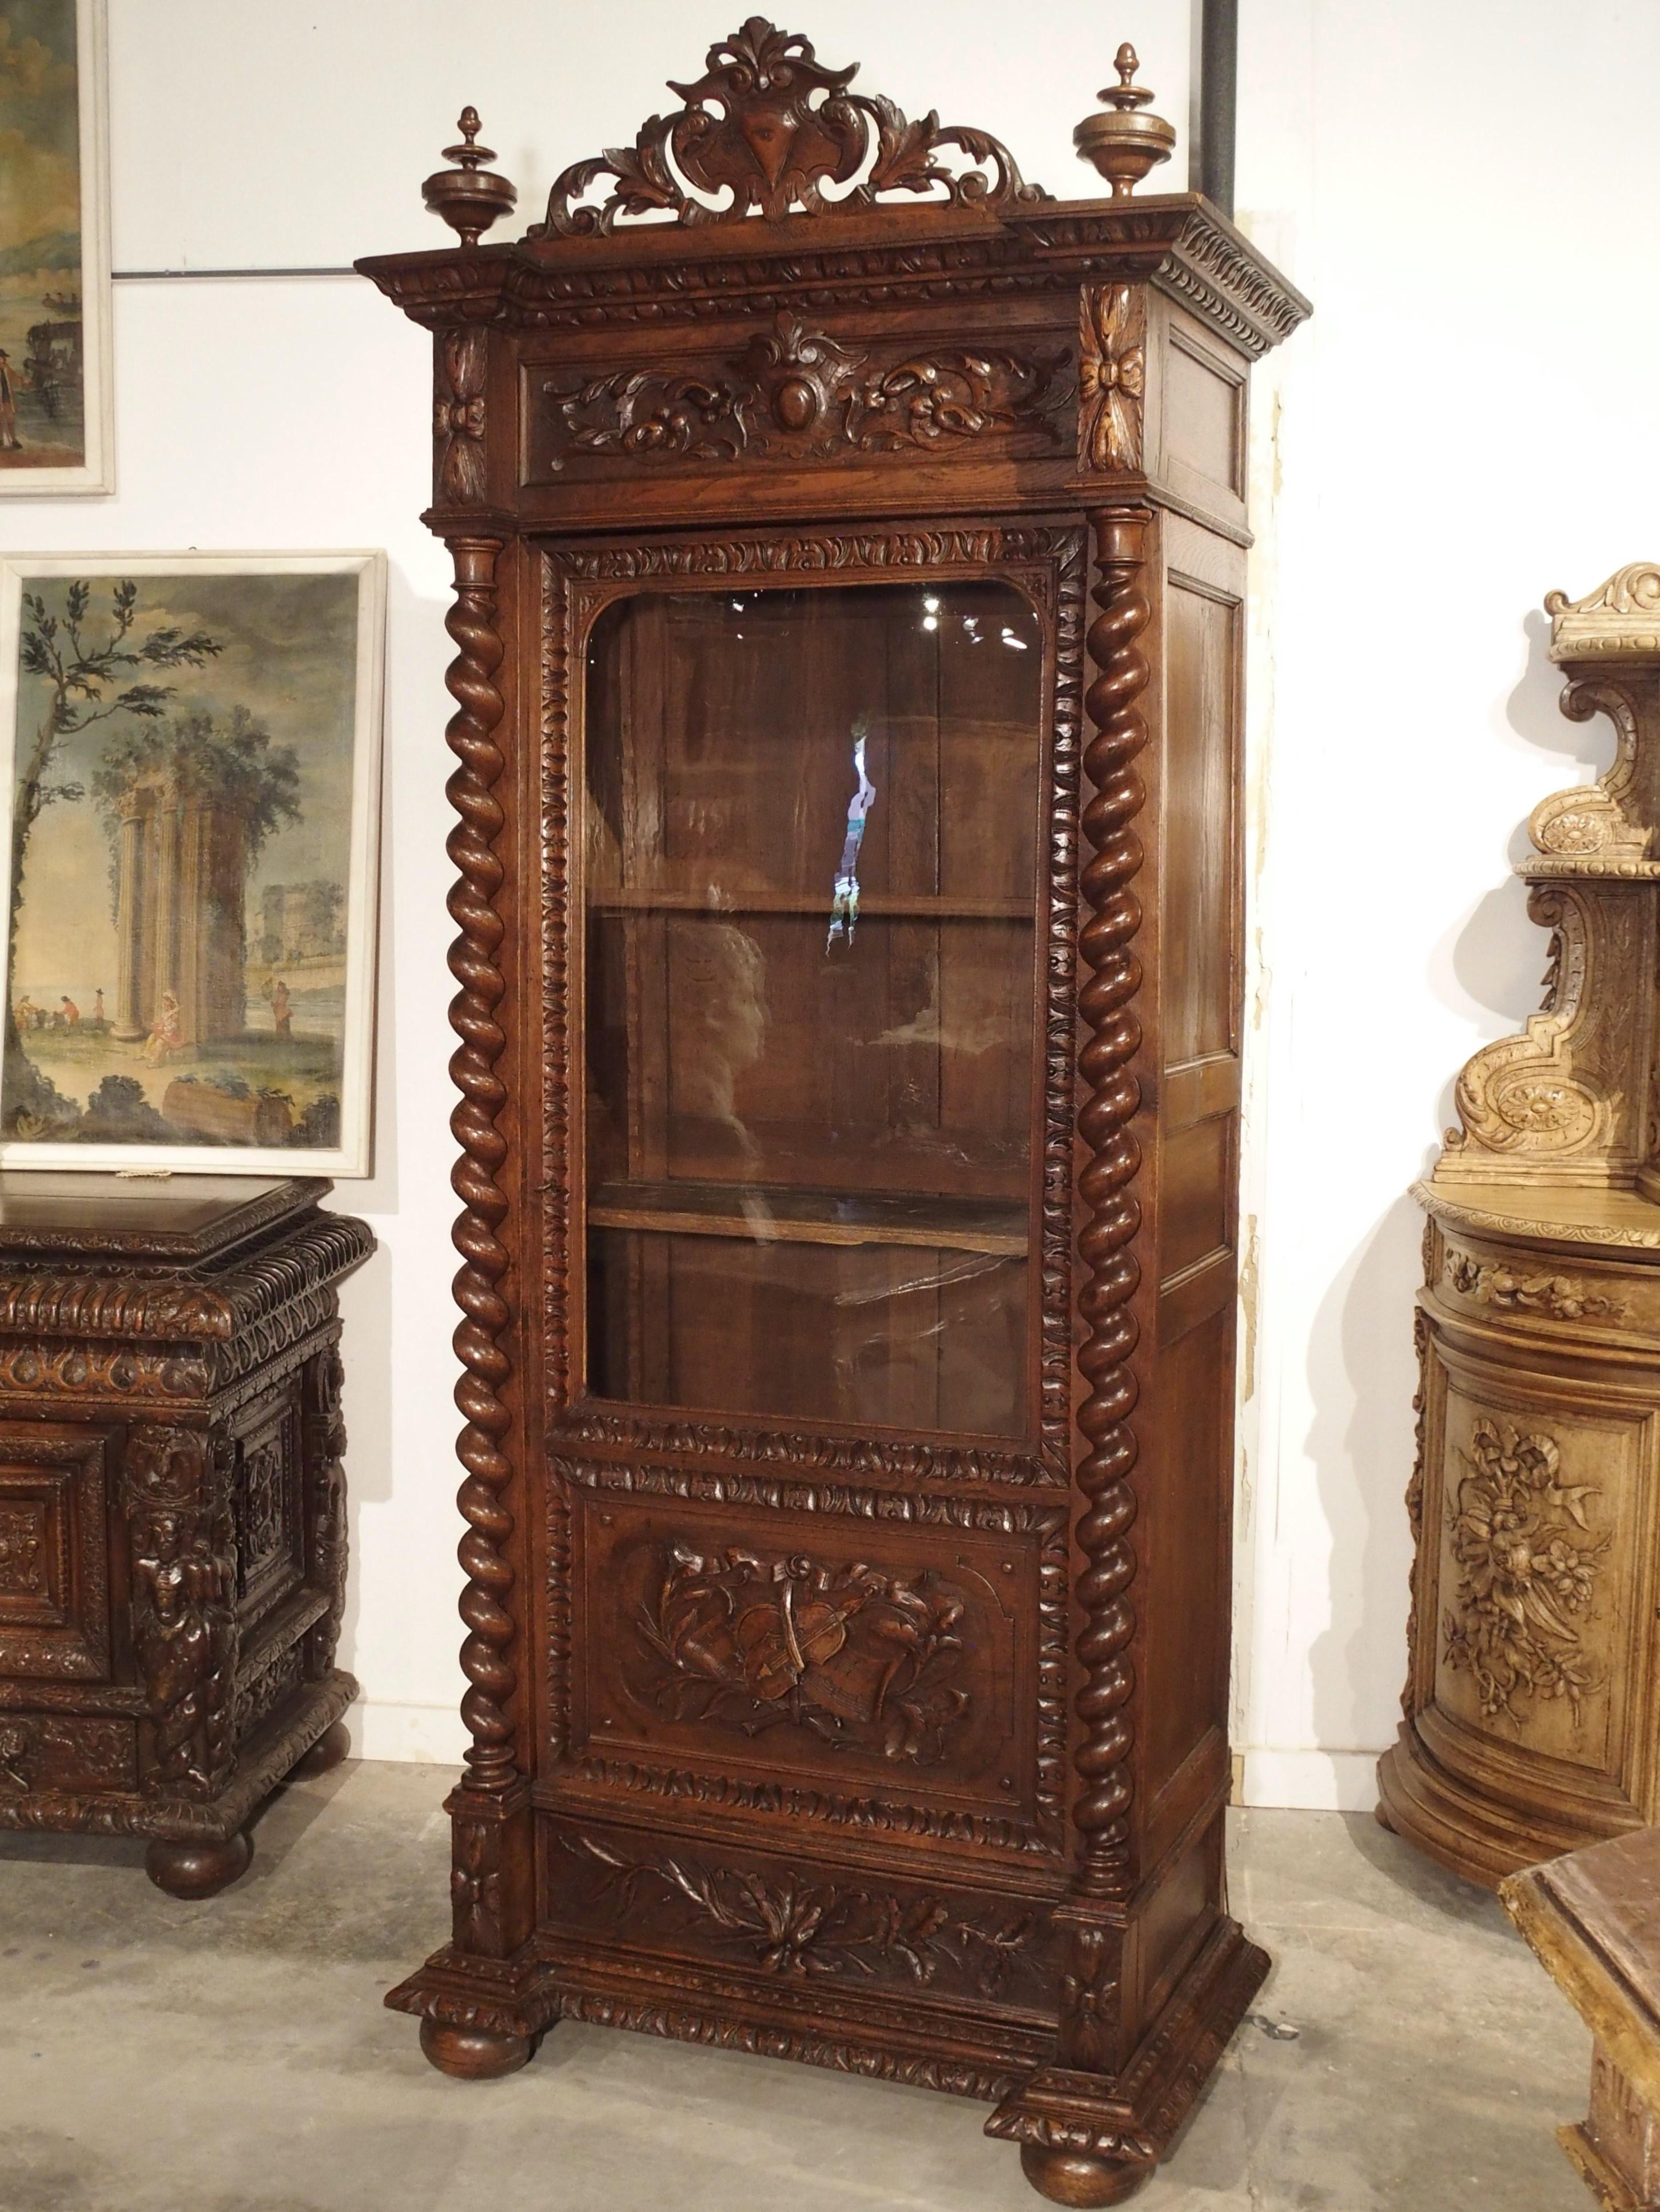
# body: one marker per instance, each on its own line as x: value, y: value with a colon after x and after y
x: 475, y: 2054
x: 1380, y: 1814
x: 1069, y: 2176
x: 199, y: 1869
x: 330, y: 1748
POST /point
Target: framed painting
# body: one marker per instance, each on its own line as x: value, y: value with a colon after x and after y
x: 192, y: 813
x: 57, y: 430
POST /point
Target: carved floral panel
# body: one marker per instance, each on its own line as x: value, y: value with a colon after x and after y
x: 765, y: 1917
x: 1531, y: 1602
x: 22, y: 1551
x: 269, y: 1553
x: 54, y: 1600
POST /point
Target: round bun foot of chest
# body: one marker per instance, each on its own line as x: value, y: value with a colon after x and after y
x: 1068, y: 2177
x: 330, y: 1748
x: 198, y: 1868
x: 474, y: 2054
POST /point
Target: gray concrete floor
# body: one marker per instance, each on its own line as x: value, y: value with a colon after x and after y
x: 234, y: 2056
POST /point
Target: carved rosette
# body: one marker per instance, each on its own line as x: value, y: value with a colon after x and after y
x: 1111, y: 378
x: 183, y: 1545
x: 1111, y: 1097
x: 458, y: 425
x: 486, y: 1654
x: 763, y: 131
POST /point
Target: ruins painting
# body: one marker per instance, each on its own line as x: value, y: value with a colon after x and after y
x: 194, y: 794
x: 54, y: 261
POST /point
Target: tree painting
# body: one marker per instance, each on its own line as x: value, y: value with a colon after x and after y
x: 181, y: 855
x: 89, y: 676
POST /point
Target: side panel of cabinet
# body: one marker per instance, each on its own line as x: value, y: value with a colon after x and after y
x: 1192, y: 1017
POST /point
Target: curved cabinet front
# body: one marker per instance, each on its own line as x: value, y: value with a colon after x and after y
x: 1534, y: 1640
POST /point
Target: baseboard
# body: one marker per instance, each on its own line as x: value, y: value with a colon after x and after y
x: 1311, y: 1781
x: 426, y: 1735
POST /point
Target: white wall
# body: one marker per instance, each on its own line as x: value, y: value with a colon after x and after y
x: 1468, y: 421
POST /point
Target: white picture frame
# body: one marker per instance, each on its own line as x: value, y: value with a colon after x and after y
x: 249, y: 732
x: 32, y: 380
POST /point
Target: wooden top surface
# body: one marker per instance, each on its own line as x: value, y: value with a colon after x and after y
x: 1549, y: 1213
x: 1594, y: 1919
x: 178, y: 1220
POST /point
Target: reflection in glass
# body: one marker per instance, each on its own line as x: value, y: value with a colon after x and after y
x: 810, y: 877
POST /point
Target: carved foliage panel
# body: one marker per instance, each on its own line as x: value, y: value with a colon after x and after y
x: 54, y: 1594
x: 44, y: 1752
x: 865, y: 1659
x: 181, y: 1534
x: 754, y: 1914
x: 269, y: 1549
x: 795, y: 391
x: 1537, y: 1617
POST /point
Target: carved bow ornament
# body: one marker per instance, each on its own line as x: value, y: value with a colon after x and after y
x: 1112, y: 375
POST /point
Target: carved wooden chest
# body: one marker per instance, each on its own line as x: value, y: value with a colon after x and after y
x: 849, y: 966
x: 172, y: 1513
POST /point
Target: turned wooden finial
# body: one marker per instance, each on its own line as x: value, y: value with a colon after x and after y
x: 468, y: 197
x: 1124, y: 144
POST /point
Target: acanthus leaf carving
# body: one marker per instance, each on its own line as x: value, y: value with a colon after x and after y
x: 763, y: 131
x: 797, y: 393
x: 1528, y: 1567
x: 782, y: 1925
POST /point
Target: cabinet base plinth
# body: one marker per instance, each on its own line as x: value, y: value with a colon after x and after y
x: 1094, y: 2139
x: 1448, y: 1820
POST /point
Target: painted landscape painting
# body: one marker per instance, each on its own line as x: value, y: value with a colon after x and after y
x: 193, y: 791
x: 54, y: 282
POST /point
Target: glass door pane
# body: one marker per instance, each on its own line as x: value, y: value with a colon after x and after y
x: 810, y: 882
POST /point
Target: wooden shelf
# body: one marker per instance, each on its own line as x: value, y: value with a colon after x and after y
x: 769, y: 1213
x: 921, y: 906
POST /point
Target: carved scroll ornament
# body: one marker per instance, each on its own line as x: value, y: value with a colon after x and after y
x: 1568, y: 1100
x: 763, y: 131
x: 796, y: 393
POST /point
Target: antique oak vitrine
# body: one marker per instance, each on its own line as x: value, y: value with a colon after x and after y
x: 849, y: 959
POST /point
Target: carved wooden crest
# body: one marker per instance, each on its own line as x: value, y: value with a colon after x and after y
x: 764, y: 130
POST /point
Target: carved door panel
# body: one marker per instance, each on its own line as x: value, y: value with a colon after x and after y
x: 882, y: 1663
x: 1539, y: 1605
x: 270, y: 1538
x: 54, y: 1555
